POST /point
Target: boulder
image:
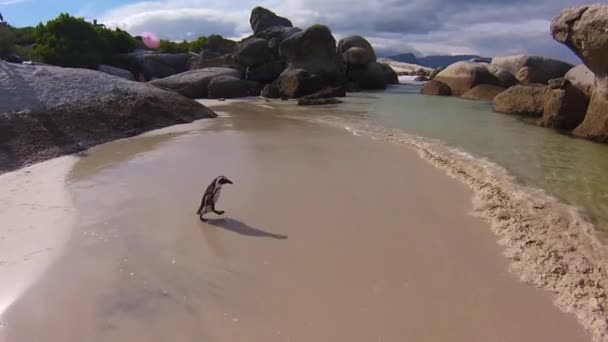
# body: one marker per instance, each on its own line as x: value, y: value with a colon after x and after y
x: 464, y: 76
x: 533, y: 69
x: 314, y: 50
x: 252, y: 52
x: 276, y: 35
x: 326, y: 93
x: 505, y: 78
x: 356, y: 50
x: 265, y: 73
x: 230, y: 87
x: 352, y: 87
x: 420, y: 79
x: 126, y: 74
x: 225, y: 61
x: 299, y: 82
x: 420, y: 72
x: 565, y: 105
x: 194, y: 83
x: 48, y: 111
x: 373, y: 76
x: 581, y: 77
x: 483, y: 92
x: 434, y: 87
x: 271, y: 91
x: 583, y: 30
x: 435, y: 72
x: 357, y: 56
x: 317, y: 102
x: 525, y: 100
x: 156, y: 65
x: 262, y: 19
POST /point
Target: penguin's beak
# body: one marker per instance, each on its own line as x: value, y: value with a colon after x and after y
x: 228, y: 181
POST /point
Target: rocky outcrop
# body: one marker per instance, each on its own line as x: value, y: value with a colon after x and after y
x: 49, y: 111
x: 265, y: 73
x: 126, y: 74
x: 271, y: 91
x: 326, y: 93
x: 435, y: 72
x: 581, y: 77
x: 464, y: 76
x: 231, y: 87
x: 356, y: 50
x: 252, y: 52
x: 434, y: 87
x: 505, y: 78
x: 565, y: 105
x: 299, y: 82
x: 156, y: 65
x: 525, y: 100
x: 262, y: 19
x: 483, y: 92
x: 533, y: 69
x: 225, y: 61
x: 583, y: 30
x: 313, y: 50
x: 373, y: 76
x: 275, y: 36
x: 194, y: 83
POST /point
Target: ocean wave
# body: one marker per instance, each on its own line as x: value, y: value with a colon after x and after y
x: 550, y: 244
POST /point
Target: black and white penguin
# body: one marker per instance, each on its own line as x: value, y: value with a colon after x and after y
x: 212, y: 194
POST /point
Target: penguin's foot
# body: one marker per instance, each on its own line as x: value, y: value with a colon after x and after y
x: 203, y: 219
x: 219, y: 212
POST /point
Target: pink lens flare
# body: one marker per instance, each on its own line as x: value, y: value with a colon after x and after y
x: 150, y: 40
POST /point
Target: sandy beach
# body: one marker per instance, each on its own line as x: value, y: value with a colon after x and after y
x: 327, y: 236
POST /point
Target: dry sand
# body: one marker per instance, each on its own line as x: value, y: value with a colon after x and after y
x: 326, y: 237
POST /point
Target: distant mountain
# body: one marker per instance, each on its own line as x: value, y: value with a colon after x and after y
x: 431, y: 61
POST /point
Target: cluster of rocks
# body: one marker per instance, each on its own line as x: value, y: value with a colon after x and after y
x: 282, y: 61
x: 555, y: 93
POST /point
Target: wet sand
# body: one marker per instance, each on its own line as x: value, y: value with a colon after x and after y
x: 327, y: 237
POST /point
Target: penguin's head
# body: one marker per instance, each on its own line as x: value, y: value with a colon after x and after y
x: 223, y: 180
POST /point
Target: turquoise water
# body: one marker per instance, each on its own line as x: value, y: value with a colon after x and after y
x: 573, y: 170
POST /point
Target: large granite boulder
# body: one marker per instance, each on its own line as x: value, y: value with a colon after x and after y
x: 583, y: 30
x: 464, y: 76
x: 581, y: 77
x: 262, y: 19
x: 434, y: 87
x: 231, y: 87
x: 194, y: 83
x: 265, y: 73
x: 271, y: 91
x: 533, y: 69
x: 435, y: 72
x: 328, y: 92
x: 299, y: 82
x: 525, y: 100
x: 373, y: 76
x: 225, y: 61
x: 156, y: 65
x: 314, y: 50
x: 47, y: 111
x: 252, y: 52
x: 505, y: 78
x: 565, y: 105
x: 275, y: 36
x: 126, y: 74
x: 483, y: 92
x: 356, y: 50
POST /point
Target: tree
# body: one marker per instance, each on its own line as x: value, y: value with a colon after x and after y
x: 7, y: 40
x: 198, y: 45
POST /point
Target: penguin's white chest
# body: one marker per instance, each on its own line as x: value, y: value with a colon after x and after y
x: 216, y: 196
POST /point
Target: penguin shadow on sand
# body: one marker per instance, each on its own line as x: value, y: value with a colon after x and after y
x: 239, y: 227
x: 208, y: 202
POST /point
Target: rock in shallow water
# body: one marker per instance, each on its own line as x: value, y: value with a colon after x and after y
x: 194, y: 83
x: 525, y: 100
x: 434, y: 87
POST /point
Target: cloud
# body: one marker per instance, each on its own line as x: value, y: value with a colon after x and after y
x: 12, y: 2
x: 485, y: 27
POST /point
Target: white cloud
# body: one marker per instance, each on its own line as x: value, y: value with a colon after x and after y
x: 12, y: 2
x: 486, y: 27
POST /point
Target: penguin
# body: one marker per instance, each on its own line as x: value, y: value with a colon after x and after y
x: 211, y: 196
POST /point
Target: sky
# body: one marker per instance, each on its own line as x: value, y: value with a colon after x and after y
x: 424, y: 27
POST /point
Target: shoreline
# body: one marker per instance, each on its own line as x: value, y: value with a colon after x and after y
x: 414, y: 270
x: 549, y: 244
